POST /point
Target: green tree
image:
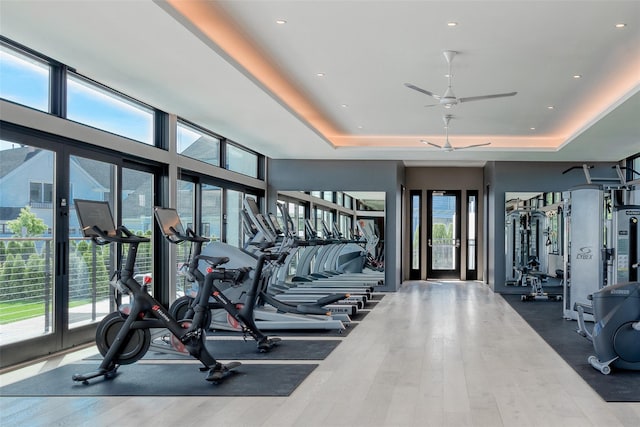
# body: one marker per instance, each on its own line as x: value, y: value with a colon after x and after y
x: 34, y: 279
x: 27, y: 221
x: 28, y: 249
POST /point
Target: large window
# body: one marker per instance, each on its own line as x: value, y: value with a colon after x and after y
x: 241, y: 161
x: 27, y: 250
x: 211, y: 226
x: 93, y: 105
x: 137, y: 215
x: 90, y: 265
x: 55, y: 283
x: 235, y: 203
x: 198, y: 145
x: 24, y: 79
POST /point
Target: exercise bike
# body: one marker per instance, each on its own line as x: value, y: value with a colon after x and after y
x: 239, y: 315
x: 123, y: 337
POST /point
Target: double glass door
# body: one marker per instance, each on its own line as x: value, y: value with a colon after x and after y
x: 440, y: 236
x: 54, y: 284
x: 443, y: 234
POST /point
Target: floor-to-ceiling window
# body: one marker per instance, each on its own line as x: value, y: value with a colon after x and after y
x: 27, y: 248
x: 54, y: 280
x: 90, y: 266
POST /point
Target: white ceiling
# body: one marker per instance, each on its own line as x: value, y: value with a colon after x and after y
x: 367, y: 50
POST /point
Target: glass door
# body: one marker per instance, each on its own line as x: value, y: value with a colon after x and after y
x: 472, y: 234
x: 28, y: 250
x: 416, y: 237
x: 90, y: 265
x: 443, y: 234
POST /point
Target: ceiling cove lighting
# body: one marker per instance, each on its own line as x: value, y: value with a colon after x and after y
x: 209, y: 19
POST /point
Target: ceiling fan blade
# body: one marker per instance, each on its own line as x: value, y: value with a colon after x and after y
x: 424, y: 141
x: 479, y: 98
x: 473, y: 145
x: 426, y: 92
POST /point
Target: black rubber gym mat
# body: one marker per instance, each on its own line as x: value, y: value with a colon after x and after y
x: 175, y: 379
x: 309, y: 333
x: 545, y: 317
x: 247, y: 350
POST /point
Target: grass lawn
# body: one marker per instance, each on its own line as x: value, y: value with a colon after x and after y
x: 14, y: 311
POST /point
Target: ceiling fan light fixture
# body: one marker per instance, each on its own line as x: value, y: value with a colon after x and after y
x: 449, y: 99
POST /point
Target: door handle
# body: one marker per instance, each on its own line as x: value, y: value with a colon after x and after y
x: 429, y: 242
x: 457, y: 243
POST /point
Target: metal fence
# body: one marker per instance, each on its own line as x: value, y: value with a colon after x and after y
x: 27, y: 294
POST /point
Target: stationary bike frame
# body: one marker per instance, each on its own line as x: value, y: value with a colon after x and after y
x: 244, y: 314
x: 147, y: 313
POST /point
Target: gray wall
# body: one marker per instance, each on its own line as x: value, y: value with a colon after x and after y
x: 503, y: 177
x: 347, y: 175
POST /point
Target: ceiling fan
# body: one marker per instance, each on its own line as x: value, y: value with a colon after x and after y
x: 449, y: 99
x: 447, y: 145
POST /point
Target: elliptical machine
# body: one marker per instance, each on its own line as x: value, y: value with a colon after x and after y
x: 616, y: 333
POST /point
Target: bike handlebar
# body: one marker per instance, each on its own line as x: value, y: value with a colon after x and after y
x: 122, y: 235
x: 190, y: 236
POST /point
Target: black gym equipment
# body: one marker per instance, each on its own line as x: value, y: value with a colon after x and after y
x: 184, y: 308
x: 123, y: 337
x: 616, y: 332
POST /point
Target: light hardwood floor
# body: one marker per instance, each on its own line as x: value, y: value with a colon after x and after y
x: 432, y: 354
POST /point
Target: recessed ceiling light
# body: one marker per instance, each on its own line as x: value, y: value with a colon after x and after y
x: 451, y: 24
x: 577, y: 76
x: 320, y: 74
x: 281, y: 22
x: 532, y: 128
x: 344, y: 105
x: 621, y: 25
x: 550, y: 107
x: 360, y: 127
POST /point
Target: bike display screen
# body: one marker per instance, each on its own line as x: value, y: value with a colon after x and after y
x: 95, y: 213
x: 167, y: 219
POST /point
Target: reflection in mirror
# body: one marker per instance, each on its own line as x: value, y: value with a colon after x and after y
x: 533, y: 233
x: 353, y: 216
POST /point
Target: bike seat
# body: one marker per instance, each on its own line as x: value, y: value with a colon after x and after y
x: 214, y: 261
